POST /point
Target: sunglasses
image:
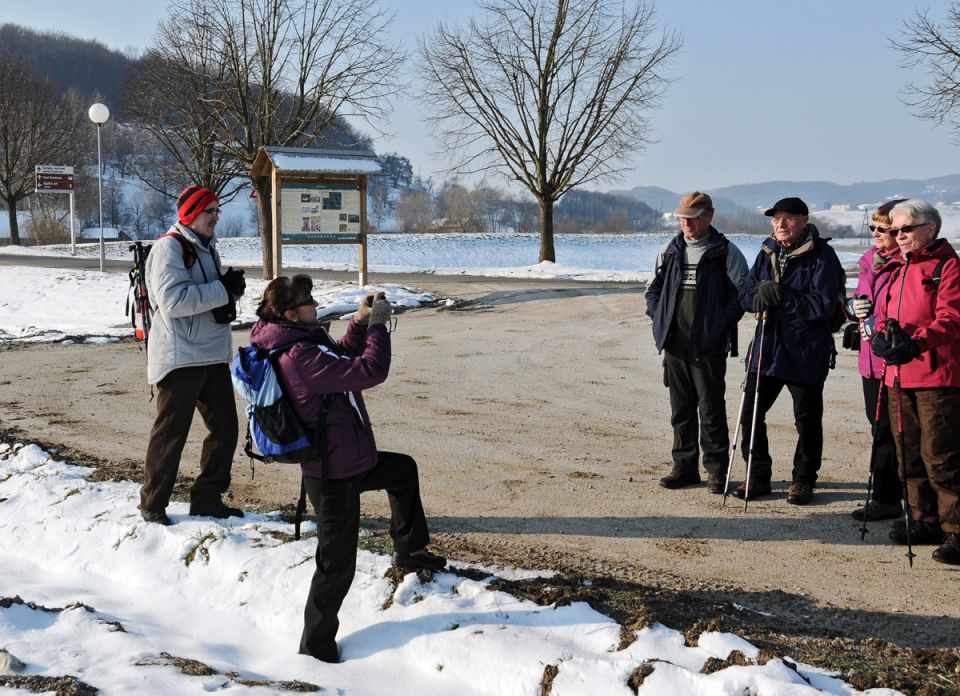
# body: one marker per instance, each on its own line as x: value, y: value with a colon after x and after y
x: 880, y: 228
x: 907, y: 229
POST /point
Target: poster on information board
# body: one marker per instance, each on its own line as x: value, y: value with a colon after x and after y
x: 321, y: 213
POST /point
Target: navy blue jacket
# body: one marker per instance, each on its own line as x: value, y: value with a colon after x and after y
x: 798, y: 341
x: 718, y: 308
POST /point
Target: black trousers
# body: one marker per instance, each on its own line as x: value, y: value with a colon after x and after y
x: 698, y: 412
x: 887, y: 487
x: 209, y: 390
x: 337, y: 506
x: 807, y: 417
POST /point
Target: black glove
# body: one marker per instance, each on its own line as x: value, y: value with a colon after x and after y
x: 899, y: 353
x: 769, y: 293
x: 851, y: 336
x: 234, y: 282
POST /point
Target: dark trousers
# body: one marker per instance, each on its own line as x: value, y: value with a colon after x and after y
x: 807, y: 417
x: 931, y: 440
x: 698, y: 387
x: 209, y: 390
x: 887, y: 487
x: 337, y: 506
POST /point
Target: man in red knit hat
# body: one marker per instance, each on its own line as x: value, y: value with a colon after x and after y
x: 188, y: 359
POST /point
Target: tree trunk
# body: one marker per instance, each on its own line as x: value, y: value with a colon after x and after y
x: 546, y: 231
x: 14, y: 228
x: 261, y: 185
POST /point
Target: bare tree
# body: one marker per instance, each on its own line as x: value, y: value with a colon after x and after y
x: 174, y: 93
x: 550, y: 93
x: 415, y: 210
x: 37, y: 126
x: 285, y: 73
x: 936, y: 47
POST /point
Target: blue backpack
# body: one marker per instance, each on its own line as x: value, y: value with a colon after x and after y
x: 273, y: 426
x: 272, y: 423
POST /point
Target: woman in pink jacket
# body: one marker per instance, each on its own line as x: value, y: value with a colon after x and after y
x: 876, y: 268
x: 918, y: 334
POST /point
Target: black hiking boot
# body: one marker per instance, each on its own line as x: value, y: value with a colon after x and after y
x: 758, y: 489
x: 921, y: 534
x: 678, y: 478
x: 800, y: 493
x: 876, y: 510
x: 156, y: 517
x: 716, y: 483
x: 217, y: 509
x: 421, y: 559
x: 949, y: 552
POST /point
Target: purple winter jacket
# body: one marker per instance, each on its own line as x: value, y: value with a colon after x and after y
x: 873, y: 283
x: 317, y: 366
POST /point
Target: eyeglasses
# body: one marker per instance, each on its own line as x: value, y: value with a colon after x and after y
x: 908, y: 229
x: 880, y: 228
x: 212, y: 211
x: 785, y: 219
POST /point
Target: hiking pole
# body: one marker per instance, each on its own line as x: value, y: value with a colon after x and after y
x: 756, y: 402
x: 903, y: 462
x: 873, y: 451
x: 736, y: 432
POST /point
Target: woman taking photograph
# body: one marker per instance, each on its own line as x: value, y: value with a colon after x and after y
x: 324, y: 379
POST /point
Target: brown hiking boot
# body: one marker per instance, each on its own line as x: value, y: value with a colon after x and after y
x: 921, y: 533
x: 678, y: 478
x: 800, y: 493
x: 758, y: 489
x: 875, y: 510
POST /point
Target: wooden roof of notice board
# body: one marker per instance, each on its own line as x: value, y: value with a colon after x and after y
x: 314, y: 161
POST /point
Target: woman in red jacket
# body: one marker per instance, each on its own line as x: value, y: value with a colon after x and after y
x: 923, y: 375
x: 324, y: 379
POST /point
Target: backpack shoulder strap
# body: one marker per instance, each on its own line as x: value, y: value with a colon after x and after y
x: 186, y: 248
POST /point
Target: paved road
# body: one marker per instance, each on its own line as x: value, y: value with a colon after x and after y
x: 434, y: 279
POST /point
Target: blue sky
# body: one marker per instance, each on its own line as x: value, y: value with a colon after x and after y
x: 764, y: 89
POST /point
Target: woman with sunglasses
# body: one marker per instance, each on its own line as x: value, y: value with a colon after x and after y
x: 918, y: 331
x: 876, y: 267
x: 325, y: 380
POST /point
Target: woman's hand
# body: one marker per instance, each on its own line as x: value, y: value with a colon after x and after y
x: 381, y: 310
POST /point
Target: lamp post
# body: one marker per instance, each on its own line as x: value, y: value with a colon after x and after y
x: 99, y: 114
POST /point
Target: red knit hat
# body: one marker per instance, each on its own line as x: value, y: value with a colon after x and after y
x: 192, y: 202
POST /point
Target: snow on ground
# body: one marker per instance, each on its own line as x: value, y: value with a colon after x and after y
x: 48, y: 304
x: 230, y: 594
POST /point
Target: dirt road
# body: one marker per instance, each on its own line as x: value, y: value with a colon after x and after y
x: 541, y: 425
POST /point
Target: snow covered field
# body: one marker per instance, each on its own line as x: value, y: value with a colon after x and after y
x: 117, y: 602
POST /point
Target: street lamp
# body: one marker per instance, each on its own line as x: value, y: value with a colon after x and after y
x: 99, y: 114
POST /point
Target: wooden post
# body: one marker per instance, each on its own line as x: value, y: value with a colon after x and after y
x: 275, y: 205
x: 363, y: 231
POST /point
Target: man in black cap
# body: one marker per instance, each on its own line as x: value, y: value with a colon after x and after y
x: 796, y: 287
x: 694, y: 306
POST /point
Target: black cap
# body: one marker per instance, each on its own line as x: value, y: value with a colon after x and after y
x: 794, y: 206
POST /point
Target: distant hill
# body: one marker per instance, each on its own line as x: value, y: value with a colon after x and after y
x: 658, y: 198
x: 819, y: 195
x: 86, y: 66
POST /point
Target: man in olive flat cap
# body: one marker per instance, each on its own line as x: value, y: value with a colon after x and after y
x: 693, y: 303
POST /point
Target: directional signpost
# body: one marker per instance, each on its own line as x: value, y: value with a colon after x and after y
x: 52, y: 178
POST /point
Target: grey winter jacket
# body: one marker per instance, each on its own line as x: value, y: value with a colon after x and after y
x: 183, y: 332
